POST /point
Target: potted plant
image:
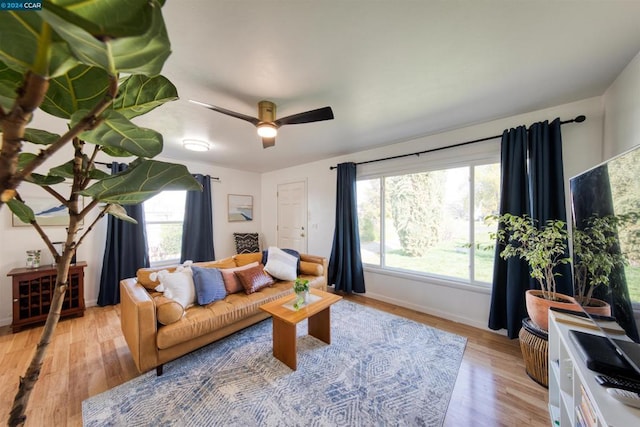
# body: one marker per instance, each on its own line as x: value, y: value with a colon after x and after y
x: 95, y: 68
x: 595, y: 256
x: 301, y: 288
x: 543, y: 248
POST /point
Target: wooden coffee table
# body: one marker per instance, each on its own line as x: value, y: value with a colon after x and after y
x: 285, y: 319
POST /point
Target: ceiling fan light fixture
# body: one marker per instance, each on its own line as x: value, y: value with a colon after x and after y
x: 267, y: 130
x: 196, y: 145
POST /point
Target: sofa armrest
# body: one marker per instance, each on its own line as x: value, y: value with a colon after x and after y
x: 318, y: 260
x: 138, y: 323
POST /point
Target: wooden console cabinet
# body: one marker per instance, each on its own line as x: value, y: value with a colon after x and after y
x: 33, y: 291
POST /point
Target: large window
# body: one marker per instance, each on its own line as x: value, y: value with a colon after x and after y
x: 164, y: 215
x: 432, y: 222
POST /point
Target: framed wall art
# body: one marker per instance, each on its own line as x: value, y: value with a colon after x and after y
x: 48, y: 211
x: 240, y: 208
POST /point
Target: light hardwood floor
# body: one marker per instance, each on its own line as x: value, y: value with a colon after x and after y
x: 89, y: 355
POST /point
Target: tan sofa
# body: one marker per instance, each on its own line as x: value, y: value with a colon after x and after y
x: 152, y: 344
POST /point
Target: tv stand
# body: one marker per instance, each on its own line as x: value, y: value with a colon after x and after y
x: 575, y: 397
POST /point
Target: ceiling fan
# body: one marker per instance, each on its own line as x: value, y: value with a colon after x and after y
x: 267, y: 123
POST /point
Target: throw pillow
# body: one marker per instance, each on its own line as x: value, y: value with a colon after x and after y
x: 177, y: 285
x: 253, y: 279
x: 265, y: 257
x: 231, y: 282
x: 209, y: 285
x: 281, y: 265
x: 246, y: 243
x: 168, y: 311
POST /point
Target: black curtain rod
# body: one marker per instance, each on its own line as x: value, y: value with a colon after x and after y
x: 578, y: 119
x: 213, y: 178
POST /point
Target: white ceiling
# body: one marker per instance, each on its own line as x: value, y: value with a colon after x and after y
x: 391, y: 70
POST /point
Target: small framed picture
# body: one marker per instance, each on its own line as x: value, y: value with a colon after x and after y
x: 48, y: 212
x: 240, y: 208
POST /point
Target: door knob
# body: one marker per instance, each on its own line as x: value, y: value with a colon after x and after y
x: 301, y: 234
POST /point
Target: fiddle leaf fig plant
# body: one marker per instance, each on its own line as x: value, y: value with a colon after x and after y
x: 94, y: 65
x: 543, y: 247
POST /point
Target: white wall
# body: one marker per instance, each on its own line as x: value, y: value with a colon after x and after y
x: 622, y: 111
x: 582, y: 145
x: 17, y: 240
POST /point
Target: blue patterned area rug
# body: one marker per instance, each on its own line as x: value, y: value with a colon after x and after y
x: 380, y: 370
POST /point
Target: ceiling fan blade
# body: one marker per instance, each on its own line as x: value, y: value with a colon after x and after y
x: 317, y: 115
x: 268, y: 142
x: 254, y: 121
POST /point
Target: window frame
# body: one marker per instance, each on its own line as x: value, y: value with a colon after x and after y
x: 481, y: 154
x: 165, y: 262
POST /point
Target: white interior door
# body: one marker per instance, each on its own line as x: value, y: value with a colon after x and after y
x: 292, y: 216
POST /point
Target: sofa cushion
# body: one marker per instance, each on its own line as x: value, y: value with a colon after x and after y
x: 231, y: 282
x: 209, y: 285
x: 177, y: 285
x: 244, y: 259
x: 200, y: 320
x: 281, y: 265
x: 253, y: 279
x: 143, y: 273
x: 168, y: 311
x: 311, y: 268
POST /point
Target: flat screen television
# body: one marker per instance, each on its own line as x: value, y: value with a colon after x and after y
x: 610, y: 193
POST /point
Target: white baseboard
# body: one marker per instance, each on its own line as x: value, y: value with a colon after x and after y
x: 8, y: 320
x: 434, y: 312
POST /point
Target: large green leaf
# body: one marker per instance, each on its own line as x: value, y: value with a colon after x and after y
x: 141, y: 181
x: 41, y: 137
x: 19, y: 43
x: 98, y: 174
x: 144, y: 54
x: 22, y: 211
x: 140, y: 94
x: 24, y: 159
x: 114, y: 18
x: 120, y: 213
x: 10, y: 81
x: 66, y: 170
x: 85, y: 47
x: 116, y: 35
x: 115, y: 151
x: 80, y: 88
x: 117, y: 131
x: 36, y: 178
x: 19, y: 38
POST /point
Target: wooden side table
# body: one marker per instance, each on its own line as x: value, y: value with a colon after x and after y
x: 33, y: 291
x: 285, y: 320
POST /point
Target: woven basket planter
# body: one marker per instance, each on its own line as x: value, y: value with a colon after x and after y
x: 534, y: 344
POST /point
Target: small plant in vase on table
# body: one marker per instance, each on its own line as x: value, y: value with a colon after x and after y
x: 301, y: 288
